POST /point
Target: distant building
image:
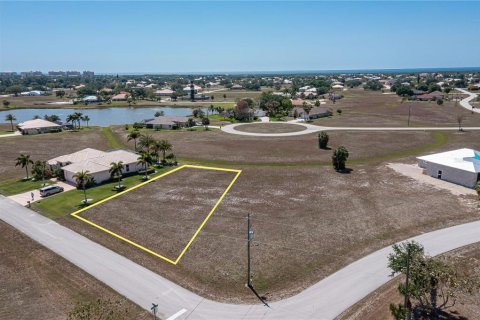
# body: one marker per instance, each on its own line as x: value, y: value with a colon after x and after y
x: 91, y: 99
x: 31, y: 74
x: 120, y: 97
x: 237, y: 87
x: 57, y: 73
x: 166, y: 122
x: 461, y: 166
x: 88, y: 73
x: 164, y: 93
x: 73, y: 73
x: 319, y: 112
x: 38, y: 126
x: 33, y: 93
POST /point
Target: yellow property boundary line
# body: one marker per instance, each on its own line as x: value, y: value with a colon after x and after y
x: 75, y: 214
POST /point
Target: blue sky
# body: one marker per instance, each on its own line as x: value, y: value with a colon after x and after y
x: 237, y: 36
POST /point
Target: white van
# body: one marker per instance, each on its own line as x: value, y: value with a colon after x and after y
x: 46, y: 191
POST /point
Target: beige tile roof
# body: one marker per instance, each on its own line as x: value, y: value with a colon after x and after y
x: 102, y: 162
x: 37, y: 123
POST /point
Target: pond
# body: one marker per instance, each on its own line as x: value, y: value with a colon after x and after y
x: 99, y: 117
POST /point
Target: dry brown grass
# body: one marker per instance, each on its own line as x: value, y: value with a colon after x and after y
x: 369, y: 108
x: 376, y: 305
x: 150, y: 215
x: 217, y: 146
x: 270, y: 127
x: 38, y: 284
x: 308, y: 222
x: 44, y: 147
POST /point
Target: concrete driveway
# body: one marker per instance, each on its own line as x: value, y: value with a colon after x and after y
x: 23, y: 198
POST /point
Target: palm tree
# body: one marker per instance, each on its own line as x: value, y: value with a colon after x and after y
x: 146, y: 160
x: 146, y: 142
x: 10, y: 117
x: 164, y: 146
x: 211, y: 108
x: 71, y: 118
x: 78, y: 117
x: 134, y: 135
x: 86, y: 118
x: 116, y: 169
x: 82, y: 178
x: 24, y: 160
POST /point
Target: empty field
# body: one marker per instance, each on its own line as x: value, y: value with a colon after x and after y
x: 38, y: 284
x: 164, y: 215
x: 270, y: 127
x: 373, y: 109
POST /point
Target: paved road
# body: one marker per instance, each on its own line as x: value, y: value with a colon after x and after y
x: 466, y: 102
x: 324, y: 300
x: 310, y: 128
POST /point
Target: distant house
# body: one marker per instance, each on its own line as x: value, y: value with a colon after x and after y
x: 91, y: 99
x: 297, y: 102
x: 461, y: 166
x: 96, y: 162
x: 38, y: 126
x: 107, y: 90
x: 337, y: 86
x: 319, y: 112
x: 166, y: 122
x: 164, y: 93
x: 120, y: 97
x: 195, y: 88
x: 32, y: 93
x: 237, y: 87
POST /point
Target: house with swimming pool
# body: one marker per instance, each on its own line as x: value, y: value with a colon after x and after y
x: 461, y: 166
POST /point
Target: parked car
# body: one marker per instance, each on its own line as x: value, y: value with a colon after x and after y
x: 46, y: 191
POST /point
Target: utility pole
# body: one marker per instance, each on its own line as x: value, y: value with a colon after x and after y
x: 249, y: 267
x: 409, y: 112
x: 406, y: 303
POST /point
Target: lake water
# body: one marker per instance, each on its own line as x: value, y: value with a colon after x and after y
x: 99, y: 117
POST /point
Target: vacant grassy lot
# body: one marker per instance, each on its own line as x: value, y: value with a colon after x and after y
x: 164, y: 214
x: 369, y: 108
x: 308, y: 222
x: 68, y: 202
x: 38, y: 284
x: 217, y: 147
x: 44, y: 147
x: 376, y: 305
x: 270, y: 128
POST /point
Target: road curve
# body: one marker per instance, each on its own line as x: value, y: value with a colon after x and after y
x: 466, y: 102
x: 311, y: 128
x: 324, y: 300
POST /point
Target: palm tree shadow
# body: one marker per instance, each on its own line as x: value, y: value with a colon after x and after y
x: 345, y: 171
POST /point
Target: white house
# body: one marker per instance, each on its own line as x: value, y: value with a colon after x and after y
x: 167, y: 122
x: 37, y: 126
x: 90, y: 99
x: 96, y: 162
x: 32, y: 93
x: 460, y: 166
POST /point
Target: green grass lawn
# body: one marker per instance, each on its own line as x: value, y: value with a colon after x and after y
x: 67, y: 202
x: 113, y: 141
x: 11, y: 187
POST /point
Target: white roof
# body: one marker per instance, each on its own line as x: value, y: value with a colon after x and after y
x: 102, y: 162
x: 337, y: 86
x: 37, y: 123
x: 81, y: 155
x: 463, y: 159
x: 90, y: 98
